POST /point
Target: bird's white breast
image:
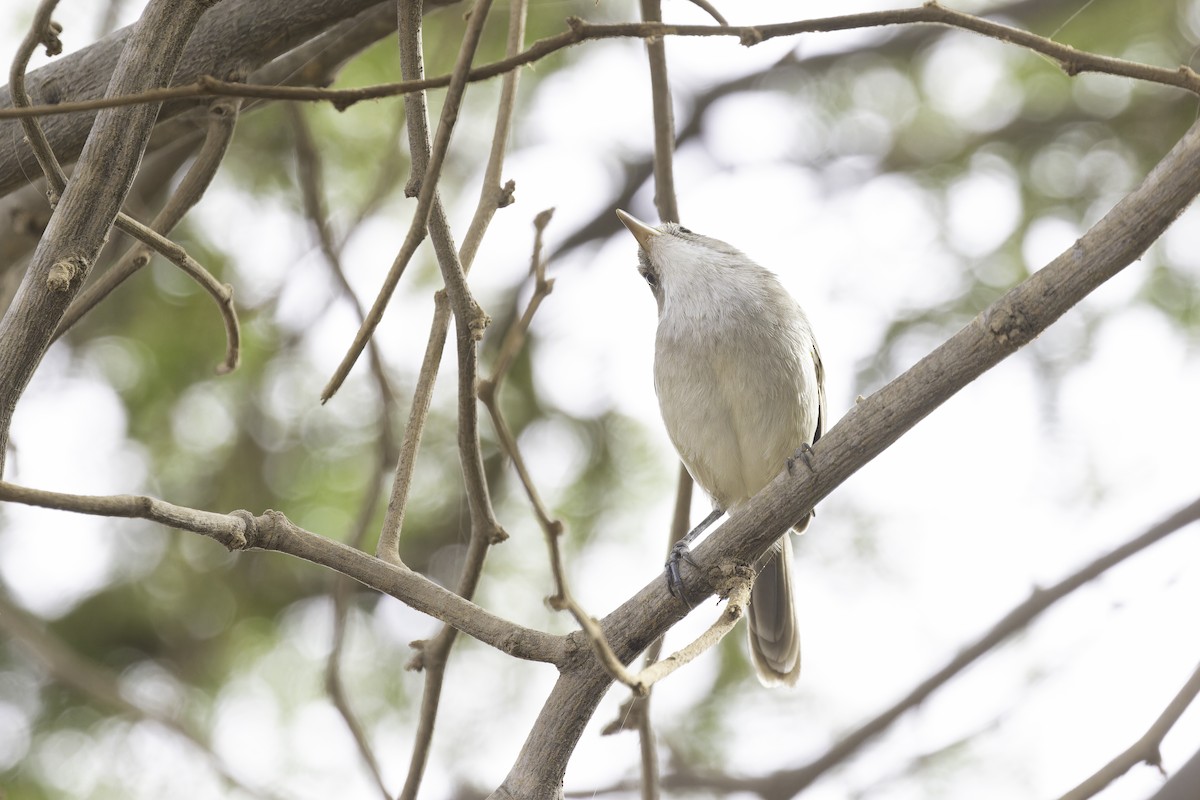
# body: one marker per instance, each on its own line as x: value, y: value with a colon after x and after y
x: 738, y: 392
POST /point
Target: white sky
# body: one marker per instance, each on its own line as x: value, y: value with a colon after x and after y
x: 969, y: 512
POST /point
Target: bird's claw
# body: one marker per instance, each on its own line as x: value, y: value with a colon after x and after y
x: 680, y: 552
x: 803, y: 453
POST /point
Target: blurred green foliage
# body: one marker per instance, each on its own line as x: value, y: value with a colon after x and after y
x: 201, y: 616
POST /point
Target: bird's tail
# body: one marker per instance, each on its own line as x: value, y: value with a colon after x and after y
x: 774, y: 636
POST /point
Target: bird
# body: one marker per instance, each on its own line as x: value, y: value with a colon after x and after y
x: 741, y: 389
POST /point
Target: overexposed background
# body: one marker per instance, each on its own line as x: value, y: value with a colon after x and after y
x: 892, y: 199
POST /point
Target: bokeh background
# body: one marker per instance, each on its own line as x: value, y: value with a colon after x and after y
x: 897, y: 180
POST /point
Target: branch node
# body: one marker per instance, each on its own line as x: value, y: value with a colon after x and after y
x: 497, y: 535
x: 478, y: 322
x: 48, y: 38
x: 417, y: 662
x: 249, y: 532
x: 577, y: 26
x: 63, y: 273
x: 750, y: 37
x: 507, y: 194
x: 1010, y: 325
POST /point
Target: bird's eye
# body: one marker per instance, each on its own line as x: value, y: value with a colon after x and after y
x: 683, y: 229
x: 650, y: 277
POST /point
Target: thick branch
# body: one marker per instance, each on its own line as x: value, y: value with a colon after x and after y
x: 1014, y: 320
x: 232, y: 40
x: 91, y: 201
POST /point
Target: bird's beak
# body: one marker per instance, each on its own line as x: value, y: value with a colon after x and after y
x: 640, y: 230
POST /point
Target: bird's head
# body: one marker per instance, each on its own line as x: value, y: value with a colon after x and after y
x: 682, y: 266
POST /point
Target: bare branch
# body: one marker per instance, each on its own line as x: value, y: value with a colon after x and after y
x: 492, y: 196
x: 665, y: 199
x: 64, y: 273
x: 874, y: 424
x: 469, y: 322
x: 1016, y: 620
x: 235, y: 39
x: 737, y: 592
x: 711, y: 10
x: 335, y: 687
x: 241, y: 530
x: 467, y: 312
x: 310, y: 174
x: 1070, y: 60
x: 222, y: 118
x: 552, y: 528
x: 1145, y: 749
x: 91, y: 202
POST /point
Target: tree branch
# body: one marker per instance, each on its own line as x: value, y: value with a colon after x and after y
x: 233, y: 40
x: 874, y: 424
x: 91, y: 201
x: 241, y: 530
x: 1145, y: 749
x: 222, y: 118
x: 1070, y: 60
x: 467, y: 312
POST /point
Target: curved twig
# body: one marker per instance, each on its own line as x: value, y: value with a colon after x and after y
x: 222, y: 118
x: 44, y: 31
x: 1069, y: 59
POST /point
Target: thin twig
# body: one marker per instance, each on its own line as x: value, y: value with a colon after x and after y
x: 241, y: 530
x: 335, y: 687
x: 469, y: 322
x: 665, y: 199
x: 1145, y: 749
x: 1070, y: 60
x: 492, y: 196
x: 222, y: 118
x: 67, y: 272
x: 738, y: 599
x: 466, y: 310
x: 310, y: 174
x: 711, y: 10
x: 552, y: 527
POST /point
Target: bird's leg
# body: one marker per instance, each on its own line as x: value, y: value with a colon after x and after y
x: 682, y: 551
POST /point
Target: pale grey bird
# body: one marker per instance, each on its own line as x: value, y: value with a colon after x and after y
x: 741, y: 389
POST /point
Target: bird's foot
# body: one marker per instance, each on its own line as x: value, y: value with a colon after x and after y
x: 803, y: 453
x: 680, y: 552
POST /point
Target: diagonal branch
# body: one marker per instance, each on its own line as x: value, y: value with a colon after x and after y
x: 92, y: 200
x: 1145, y: 749
x: 1011, y: 322
x: 552, y: 527
x: 222, y: 117
x: 467, y: 312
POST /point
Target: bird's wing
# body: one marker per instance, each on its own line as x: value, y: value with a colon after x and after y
x: 821, y: 411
